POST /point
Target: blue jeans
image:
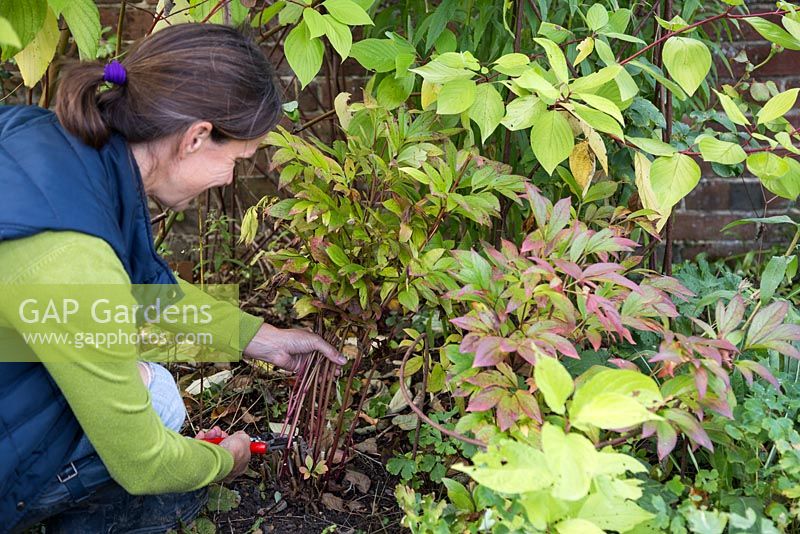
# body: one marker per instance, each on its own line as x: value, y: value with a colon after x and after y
x: 83, y: 498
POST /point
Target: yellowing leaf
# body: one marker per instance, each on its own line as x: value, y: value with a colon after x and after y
x: 7, y: 34
x: 777, y: 106
x: 34, y: 58
x: 642, y: 170
x: 585, y: 48
x: 582, y: 165
x: 687, y: 61
x: 731, y: 109
x: 596, y: 144
x: 554, y: 381
x: 551, y: 139
x: 612, y: 411
x: 429, y: 93
x: 713, y: 149
x: 487, y: 109
x: 672, y: 178
x: 303, y: 53
x: 555, y: 57
x: 578, y: 526
x: 456, y: 96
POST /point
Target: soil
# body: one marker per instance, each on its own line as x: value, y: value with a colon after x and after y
x: 297, y: 512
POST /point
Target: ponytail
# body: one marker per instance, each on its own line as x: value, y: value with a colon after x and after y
x: 180, y: 75
x: 77, y: 105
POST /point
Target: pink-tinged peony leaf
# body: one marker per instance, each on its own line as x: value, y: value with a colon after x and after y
x: 509, y: 249
x: 624, y: 244
x: 729, y: 317
x: 667, y: 438
x: 719, y: 405
x: 527, y: 351
x: 559, y: 218
x: 748, y: 367
x: 765, y: 322
x: 487, y: 379
x: 494, y: 254
x: 529, y: 405
x: 595, y: 339
x: 470, y: 342
x: 623, y: 364
x: 670, y: 285
x: 569, y: 268
x: 648, y: 429
x: 701, y: 381
x: 470, y: 323
x: 560, y: 344
x: 488, y: 352
x: 485, y: 399
x: 690, y: 426
x: 507, y: 412
x: 540, y: 206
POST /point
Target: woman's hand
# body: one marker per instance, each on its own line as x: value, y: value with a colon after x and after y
x: 289, y: 348
x: 238, y: 445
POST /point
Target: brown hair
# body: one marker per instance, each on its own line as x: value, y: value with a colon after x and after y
x: 180, y: 75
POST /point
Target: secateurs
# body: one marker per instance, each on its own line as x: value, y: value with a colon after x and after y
x: 262, y: 443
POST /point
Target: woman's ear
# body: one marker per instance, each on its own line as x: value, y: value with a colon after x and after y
x: 195, y: 136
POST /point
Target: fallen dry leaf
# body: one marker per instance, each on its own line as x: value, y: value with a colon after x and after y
x: 368, y: 446
x: 358, y: 479
x: 332, y: 502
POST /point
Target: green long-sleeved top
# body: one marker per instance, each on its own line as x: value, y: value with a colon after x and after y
x: 106, y: 394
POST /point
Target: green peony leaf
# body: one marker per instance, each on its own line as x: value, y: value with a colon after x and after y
x: 687, y: 61
x: 551, y: 139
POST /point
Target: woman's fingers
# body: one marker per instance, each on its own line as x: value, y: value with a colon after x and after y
x: 215, y: 432
x: 328, y: 351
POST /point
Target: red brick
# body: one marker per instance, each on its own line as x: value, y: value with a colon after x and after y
x: 137, y: 22
x: 707, y: 226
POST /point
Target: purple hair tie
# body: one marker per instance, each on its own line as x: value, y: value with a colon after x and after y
x: 115, y: 73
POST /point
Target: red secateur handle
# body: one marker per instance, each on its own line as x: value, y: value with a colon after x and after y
x: 256, y: 447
